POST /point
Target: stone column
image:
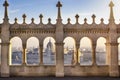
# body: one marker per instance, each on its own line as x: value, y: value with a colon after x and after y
x: 60, y: 59
x: 107, y: 54
x: 94, y: 53
x: 77, y: 53
x: 24, y: 54
x: 113, y: 59
x: 41, y: 53
x: 5, y: 60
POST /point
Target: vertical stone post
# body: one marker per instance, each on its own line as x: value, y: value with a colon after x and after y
x: 113, y: 65
x: 24, y: 54
x: 107, y: 53
x: 94, y: 53
x: 5, y: 60
x: 59, y: 43
x: 60, y: 59
x: 41, y: 54
x: 77, y: 53
x: 112, y: 44
x: 5, y: 35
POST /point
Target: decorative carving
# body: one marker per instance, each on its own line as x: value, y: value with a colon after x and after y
x: 77, y: 17
x: 24, y: 17
x: 15, y: 20
x: 41, y: 16
x: 93, y: 17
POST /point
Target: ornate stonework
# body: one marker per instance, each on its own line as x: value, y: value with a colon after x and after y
x: 59, y: 32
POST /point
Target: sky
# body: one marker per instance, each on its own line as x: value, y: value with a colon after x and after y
x: 85, y: 9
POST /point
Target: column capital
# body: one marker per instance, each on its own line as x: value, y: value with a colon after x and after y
x: 24, y: 45
x: 59, y: 43
x: 40, y: 45
x: 77, y: 45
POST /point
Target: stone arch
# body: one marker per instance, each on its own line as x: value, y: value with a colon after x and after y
x: 32, y: 51
x: 49, y: 51
x: 85, y: 53
x: 69, y: 50
x: 15, y: 51
x: 101, y: 51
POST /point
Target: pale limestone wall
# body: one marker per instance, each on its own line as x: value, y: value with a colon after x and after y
x: 32, y: 71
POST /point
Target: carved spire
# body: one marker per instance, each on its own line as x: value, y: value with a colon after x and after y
x: 85, y: 21
x: 41, y: 16
x: 59, y: 5
x: 24, y: 17
x: 32, y: 20
x: 15, y: 20
x: 111, y: 19
x: 68, y: 20
x: 49, y: 20
x: 6, y: 11
x: 102, y: 20
x: 93, y: 17
x: 77, y: 17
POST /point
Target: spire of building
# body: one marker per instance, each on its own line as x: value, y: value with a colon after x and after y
x: 111, y: 19
x: 6, y: 11
x: 59, y: 5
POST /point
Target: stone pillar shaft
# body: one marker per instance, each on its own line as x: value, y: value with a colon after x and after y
x: 107, y: 54
x: 5, y: 60
x: 77, y: 53
x: 24, y: 54
x: 113, y: 63
x: 41, y: 53
x: 60, y: 59
x: 94, y: 54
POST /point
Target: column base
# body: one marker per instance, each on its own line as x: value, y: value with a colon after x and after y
x: 5, y: 75
x: 59, y: 74
x: 114, y: 74
x: 77, y: 64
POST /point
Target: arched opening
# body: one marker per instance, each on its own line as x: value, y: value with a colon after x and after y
x: 49, y: 51
x: 69, y: 51
x: 85, y: 54
x: 15, y: 51
x: 101, y: 51
x: 32, y: 51
x: 119, y: 51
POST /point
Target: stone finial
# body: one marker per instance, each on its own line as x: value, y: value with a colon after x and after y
x: 15, y: 20
x: 24, y: 17
x: 77, y: 17
x: 41, y: 16
x: 59, y: 5
x: 32, y: 20
x: 102, y: 20
x: 6, y: 11
x: 93, y: 17
x: 111, y: 4
x: 85, y: 20
x: 68, y: 20
x: 49, y: 20
x: 111, y: 19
